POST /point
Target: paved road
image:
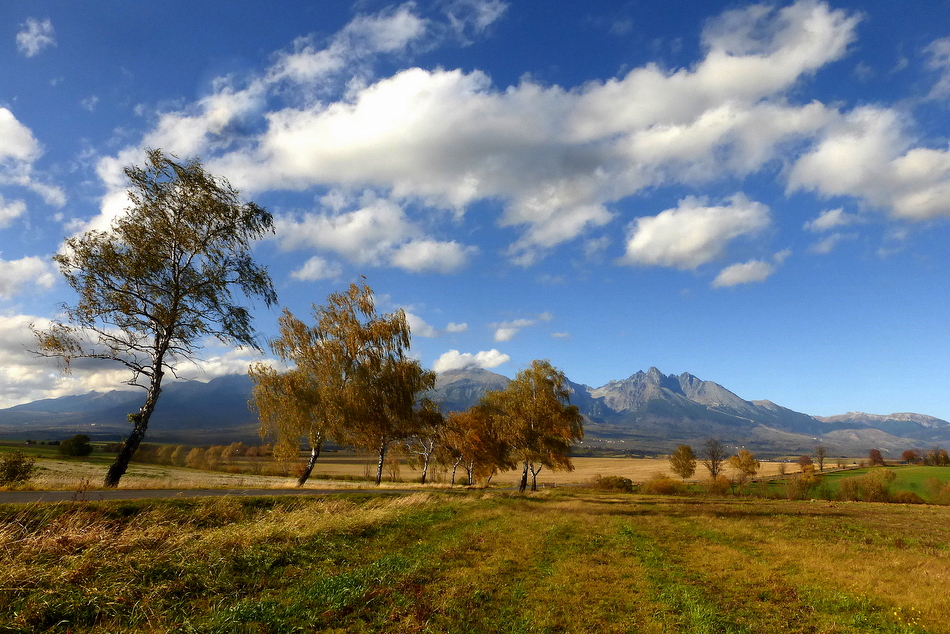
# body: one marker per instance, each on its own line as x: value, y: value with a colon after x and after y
x: 13, y: 497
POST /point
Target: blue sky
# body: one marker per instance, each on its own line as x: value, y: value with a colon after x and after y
x: 757, y: 194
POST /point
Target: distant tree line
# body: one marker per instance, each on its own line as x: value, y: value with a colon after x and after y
x: 934, y: 457
x: 233, y: 458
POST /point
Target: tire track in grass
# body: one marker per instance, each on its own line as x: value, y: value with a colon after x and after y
x: 776, y: 588
x: 678, y: 589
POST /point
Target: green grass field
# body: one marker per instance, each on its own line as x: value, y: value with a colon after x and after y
x: 578, y: 561
x: 911, y: 478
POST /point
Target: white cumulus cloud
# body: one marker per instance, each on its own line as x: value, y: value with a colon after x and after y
x: 694, y: 232
x: 455, y: 360
x: 744, y: 273
x: 10, y: 210
x: 317, y: 268
x: 831, y: 219
x: 419, y: 328
x: 27, y: 273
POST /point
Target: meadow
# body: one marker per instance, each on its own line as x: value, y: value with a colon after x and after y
x: 344, y: 468
x: 561, y: 560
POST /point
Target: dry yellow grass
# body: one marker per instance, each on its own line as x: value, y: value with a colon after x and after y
x: 77, y: 474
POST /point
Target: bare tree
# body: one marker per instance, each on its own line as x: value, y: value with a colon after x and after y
x: 820, y: 455
x: 714, y: 456
x: 160, y: 281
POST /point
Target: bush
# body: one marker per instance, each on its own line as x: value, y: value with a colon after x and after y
x: 906, y: 497
x: 718, y: 486
x: 15, y: 468
x: 614, y: 483
x: 873, y: 486
x: 800, y: 485
x: 938, y: 491
x: 660, y: 484
x: 77, y: 446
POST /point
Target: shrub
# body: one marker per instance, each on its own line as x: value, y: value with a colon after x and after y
x: 800, y: 485
x: 15, y: 468
x: 661, y: 484
x: 938, y: 491
x: 873, y: 486
x: 614, y: 483
x: 906, y: 497
x: 718, y: 486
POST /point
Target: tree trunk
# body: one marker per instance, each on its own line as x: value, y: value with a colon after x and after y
x: 455, y: 466
x: 140, y: 420
x: 534, y: 477
x: 314, y: 454
x: 470, y: 470
x: 425, y: 468
x: 524, y: 478
x: 382, y: 459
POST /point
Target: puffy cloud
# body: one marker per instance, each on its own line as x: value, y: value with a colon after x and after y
x: 26, y: 377
x: 366, y: 235
x: 866, y: 154
x: 693, y: 233
x: 744, y: 273
x: 35, y: 35
x: 831, y: 219
x: 27, y: 272
x: 419, y: 256
x: 16, y: 140
x: 419, y: 327
x: 10, y: 210
x: 453, y: 327
x: 389, y: 31
x: 18, y: 150
x: 454, y: 360
x: 377, y: 233
x: 506, y: 330
x: 555, y: 158
x: 316, y: 268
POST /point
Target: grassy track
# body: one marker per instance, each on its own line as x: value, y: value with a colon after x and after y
x: 475, y: 562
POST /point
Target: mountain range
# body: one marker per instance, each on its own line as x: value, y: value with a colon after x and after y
x: 648, y: 412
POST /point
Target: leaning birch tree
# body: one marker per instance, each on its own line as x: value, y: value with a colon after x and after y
x: 160, y: 281
x: 358, y: 384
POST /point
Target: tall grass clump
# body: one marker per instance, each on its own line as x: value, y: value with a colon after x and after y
x: 613, y: 483
x: 662, y: 484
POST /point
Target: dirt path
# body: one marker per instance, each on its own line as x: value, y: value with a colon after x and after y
x: 25, y: 497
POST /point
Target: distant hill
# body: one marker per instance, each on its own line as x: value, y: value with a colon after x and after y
x: 648, y: 412
x: 188, y: 411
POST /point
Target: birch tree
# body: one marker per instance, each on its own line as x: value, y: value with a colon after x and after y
x: 356, y: 380
x: 160, y: 281
x: 683, y: 462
